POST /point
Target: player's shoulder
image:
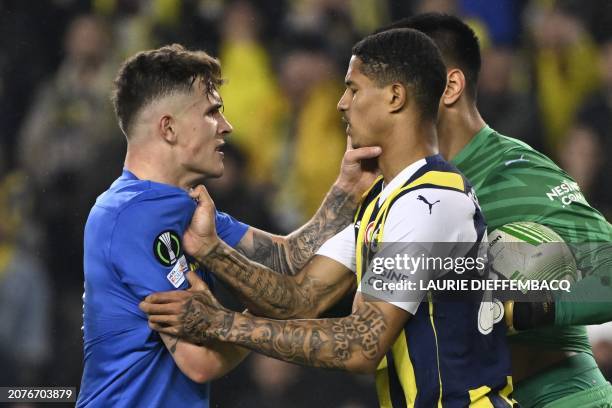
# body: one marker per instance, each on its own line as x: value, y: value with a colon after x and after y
x: 429, y: 215
x: 514, y: 153
x: 437, y: 183
x: 433, y: 201
x: 134, y: 204
x: 143, y: 196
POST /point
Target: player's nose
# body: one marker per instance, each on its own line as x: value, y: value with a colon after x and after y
x: 224, y: 126
x: 342, y: 105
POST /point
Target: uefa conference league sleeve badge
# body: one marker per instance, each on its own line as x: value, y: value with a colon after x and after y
x: 168, y: 252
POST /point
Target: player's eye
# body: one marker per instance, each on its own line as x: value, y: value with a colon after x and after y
x: 216, y: 110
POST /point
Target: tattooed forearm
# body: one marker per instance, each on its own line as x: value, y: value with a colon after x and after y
x: 264, y: 291
x: 345, y: 343
x: 349, y: 343
x: 284, y: 295
x: 200, y: 314
x: 335, y: 214
x: 288, y: 255
x: 269, y: 250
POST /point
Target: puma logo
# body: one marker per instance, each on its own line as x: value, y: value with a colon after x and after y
x: 519, y: 160
x: 423, y: 199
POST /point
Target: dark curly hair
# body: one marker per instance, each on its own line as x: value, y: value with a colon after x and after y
x: 407, y: 56
x: 152, y: 74
x: 455, y: 39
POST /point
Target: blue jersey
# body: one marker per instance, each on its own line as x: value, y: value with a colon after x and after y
x: 133, y: 248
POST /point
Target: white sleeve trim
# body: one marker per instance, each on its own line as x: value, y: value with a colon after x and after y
x: 341, y: 248
x: 410, y: 307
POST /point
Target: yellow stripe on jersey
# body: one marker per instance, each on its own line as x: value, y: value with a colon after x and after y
x: 360, y: 237
x: 364, y: 196
x: 382, y: 385
x: 404, y: 368
x: 439, y: 178
x: 478, y: 397
x: 507, y: 390
x: 433, y: 326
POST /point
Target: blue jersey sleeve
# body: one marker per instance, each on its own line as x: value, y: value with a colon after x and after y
x: 146, y: 250
x: 229, y: 229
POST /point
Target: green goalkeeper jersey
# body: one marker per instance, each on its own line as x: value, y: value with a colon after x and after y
x: 514, y: 183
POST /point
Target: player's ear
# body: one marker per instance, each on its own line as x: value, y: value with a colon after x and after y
x: 455, y: 85
x: 397, y: 97
x: 167, y: 128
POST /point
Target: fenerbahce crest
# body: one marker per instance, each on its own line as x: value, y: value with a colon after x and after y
x: 371, y: 237
x: 167, y: 248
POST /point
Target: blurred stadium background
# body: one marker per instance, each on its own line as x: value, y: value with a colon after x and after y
x: 546, y: 79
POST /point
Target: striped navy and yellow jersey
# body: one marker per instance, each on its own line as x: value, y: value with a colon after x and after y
x: 440, y: 358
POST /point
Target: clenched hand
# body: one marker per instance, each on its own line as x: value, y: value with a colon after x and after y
x: 194, y: 315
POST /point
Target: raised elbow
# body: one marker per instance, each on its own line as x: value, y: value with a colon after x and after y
x: 202, y: 371
x: 202, y: 375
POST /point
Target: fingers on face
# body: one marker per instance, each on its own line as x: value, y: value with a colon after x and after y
x: 366, y: 152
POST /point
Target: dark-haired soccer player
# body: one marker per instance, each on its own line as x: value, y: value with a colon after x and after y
x: 554, y: 366
x: 427, y: 353
x: 169, y: 108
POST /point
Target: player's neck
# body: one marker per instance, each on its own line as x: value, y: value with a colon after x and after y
x: 406, y: 146
x: 457, y: 126
x: 147, y: 166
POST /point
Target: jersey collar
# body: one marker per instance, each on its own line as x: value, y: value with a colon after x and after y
x: 477, y: 141
x: 128, y: 175
x: 400, y: 179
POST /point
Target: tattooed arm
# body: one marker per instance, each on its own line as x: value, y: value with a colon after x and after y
x: 321, y: 284
x: 354, y: 343
x: 289, y: 254
x: 318, y: 286
x: 206, y: 362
